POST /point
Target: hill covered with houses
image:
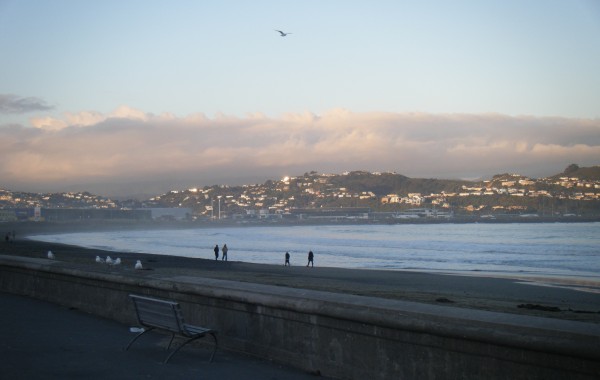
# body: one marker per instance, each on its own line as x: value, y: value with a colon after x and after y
x: 564, y: 193
x: 575, y: 191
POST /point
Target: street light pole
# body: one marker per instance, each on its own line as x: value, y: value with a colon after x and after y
x: 219, y: 207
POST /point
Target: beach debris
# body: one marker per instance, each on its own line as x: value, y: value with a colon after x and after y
x: 138, y: 265
x: 538, y: 307
x: 50, y: 255
x: 99, y: 260
x: 117, y: 261
x: 136, y: 329
x: 584, y: 311
x: 108, y: 260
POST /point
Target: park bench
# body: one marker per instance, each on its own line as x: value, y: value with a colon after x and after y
x: 153, y: 313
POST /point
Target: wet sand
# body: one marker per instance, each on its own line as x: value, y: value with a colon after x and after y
x: 552, y: 298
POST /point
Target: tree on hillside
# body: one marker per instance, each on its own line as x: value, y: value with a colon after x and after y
x: 571, y: 169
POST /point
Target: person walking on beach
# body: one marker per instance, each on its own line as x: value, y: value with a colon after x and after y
x: 311, y: 261
x: 216, y: 249
x: 287, y: 259
x: 224, y: 250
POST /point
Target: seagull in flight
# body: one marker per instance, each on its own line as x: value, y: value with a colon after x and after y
x: 283, y: 34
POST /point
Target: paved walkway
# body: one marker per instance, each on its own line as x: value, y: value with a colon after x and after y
x: 41, y: 340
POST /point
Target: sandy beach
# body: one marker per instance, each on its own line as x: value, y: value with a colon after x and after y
x: 552, y: 298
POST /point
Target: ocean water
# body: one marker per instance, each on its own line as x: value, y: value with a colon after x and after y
x: 542, y: 249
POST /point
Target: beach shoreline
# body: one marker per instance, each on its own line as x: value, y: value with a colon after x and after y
x: 582, y: 280
x: 546, y: 297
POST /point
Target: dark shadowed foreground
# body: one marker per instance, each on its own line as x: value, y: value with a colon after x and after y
x: 41, y: 340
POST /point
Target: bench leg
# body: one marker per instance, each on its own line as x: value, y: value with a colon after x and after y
x: 190, y: 340
x: 171, y: 341
x: 215, y: 349
x: 137, y: 336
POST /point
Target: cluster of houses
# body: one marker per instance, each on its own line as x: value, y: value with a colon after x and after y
x: 518, y: 187
x: 10, y: 199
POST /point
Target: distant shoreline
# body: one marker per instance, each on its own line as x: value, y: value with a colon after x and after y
x: 24, y: 229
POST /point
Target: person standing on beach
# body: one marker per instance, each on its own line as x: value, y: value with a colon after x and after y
x: 287, y: 259
x: 216, y: 249
x: 311, y: 257
x: 224, y: 250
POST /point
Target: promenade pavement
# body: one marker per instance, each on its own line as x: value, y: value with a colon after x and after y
x: 41, y: 340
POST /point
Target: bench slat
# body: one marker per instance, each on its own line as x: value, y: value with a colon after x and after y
x: 196, y: 330
x: 160, y: 318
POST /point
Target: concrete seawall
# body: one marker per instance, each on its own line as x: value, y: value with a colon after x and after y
x: 336, y: 335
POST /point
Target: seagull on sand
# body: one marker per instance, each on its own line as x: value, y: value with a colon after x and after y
x: 138, y: 265
x: 108, y: 260
x: 50, y: 255
x: 283, y: 34
x: 117, y: 261
x: 99, y: 260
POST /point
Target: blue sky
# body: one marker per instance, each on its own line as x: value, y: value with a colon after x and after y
x: 78, y: 64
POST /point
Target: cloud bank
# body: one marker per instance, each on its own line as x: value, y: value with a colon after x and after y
x: 129, y: 145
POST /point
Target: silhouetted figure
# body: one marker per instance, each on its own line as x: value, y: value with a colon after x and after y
x: 224, y: 250
x: 287, y: 259
x: 216, y: 249
x: 311, y: 257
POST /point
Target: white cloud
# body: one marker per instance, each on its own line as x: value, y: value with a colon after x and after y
x: 48, y: 123
x: 125, y: 112
x: 129, y: 144
x: 87, y: 118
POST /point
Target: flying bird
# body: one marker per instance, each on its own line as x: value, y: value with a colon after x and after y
x: 283, y: 34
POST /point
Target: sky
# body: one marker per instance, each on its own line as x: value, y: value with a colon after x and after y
x: 142, y: 97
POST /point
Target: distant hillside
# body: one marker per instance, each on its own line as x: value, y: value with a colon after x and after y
x: 574, y: 171
x: 575, y: 190
x: 382, y: 184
